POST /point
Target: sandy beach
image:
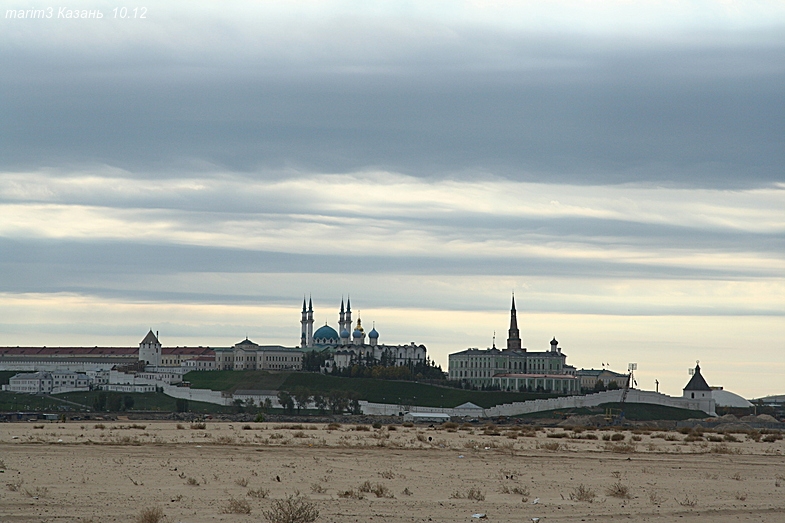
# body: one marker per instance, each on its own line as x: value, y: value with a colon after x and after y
x: 110, y: 471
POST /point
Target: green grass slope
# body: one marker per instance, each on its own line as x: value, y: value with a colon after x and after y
x: 381, y: 391
x: 150, y: 401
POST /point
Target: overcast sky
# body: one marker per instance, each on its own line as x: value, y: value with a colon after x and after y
x: 619, y: 166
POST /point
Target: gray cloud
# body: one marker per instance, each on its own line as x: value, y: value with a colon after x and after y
x: 703, y: 111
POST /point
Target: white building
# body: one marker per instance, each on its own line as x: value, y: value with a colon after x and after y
x: 48, y: 382
x: 517, y: 367
x: 247, y: 355
x: 350, y: 345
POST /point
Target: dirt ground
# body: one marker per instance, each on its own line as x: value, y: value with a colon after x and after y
x: 82, y: 472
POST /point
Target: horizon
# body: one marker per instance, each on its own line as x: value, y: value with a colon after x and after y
x: 617, y: 166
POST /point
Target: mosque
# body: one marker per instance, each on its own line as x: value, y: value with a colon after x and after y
x: 349, y: 345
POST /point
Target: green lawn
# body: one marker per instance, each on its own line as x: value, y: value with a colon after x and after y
x: 382, y: 391
x: 149, y: 401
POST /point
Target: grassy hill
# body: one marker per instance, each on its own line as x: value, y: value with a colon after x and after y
x: 150, y: 401
x: 382, y: 391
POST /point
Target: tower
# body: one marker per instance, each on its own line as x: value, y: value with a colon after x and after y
x: 348, y: 317
x: 304, y: 327
x: 342, y: 319
x: 513, y: 336
x: 150, y: 350
x: 309, y: 331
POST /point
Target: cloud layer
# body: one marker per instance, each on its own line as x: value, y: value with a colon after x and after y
x: 619, y: 166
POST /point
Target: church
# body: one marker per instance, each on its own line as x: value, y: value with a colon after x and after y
x: 350, y: 344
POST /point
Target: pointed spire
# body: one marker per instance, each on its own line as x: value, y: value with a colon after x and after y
x: 513, y: 302
x: 303, y: 302
x: 310, y: 304
x: 341, y: 304
x: 513, y: 335
x: 348, y: 304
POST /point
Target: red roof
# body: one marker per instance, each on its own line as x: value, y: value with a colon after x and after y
x: 99, y: 351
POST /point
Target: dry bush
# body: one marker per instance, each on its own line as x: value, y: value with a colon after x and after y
x: 771, y: 438
x: 180, y: 426
x: 475, y: 494
x: 99, y: 426
x: 693, y: 437
x: 754, y: 435
x: 333, y: 426
x: 740, y: 496
x: 550, y: 446
x: 237, y: 506
x: 466, y: 426
x: 260, y: 493
x: 39, y: 492
x: 618, y: 490
x: 276, y: 435
x: 606, y: 437
x: 688, y: 501
x: 457, y: 495
x: 636, y: 438
x: 671, y: 437
x: 150, y: 515
x: 449, y: 425
x: 714, y: 439
x: 192, y: 482
x: 730, y: 438
x: 521, y: 491
x: 655, y: 498
x: 583, y: 493
x: 408, y: 424
x: 617, y: 437
x: 722, y: 448
x: 558, y: 435
x: 387, y: 474
x: 294, y: 509
x: 14, y: 486
x: 736, y: 476
x: 351, y: 493
x: 362, y: 428
x: 241, y: 482
x: 316, y: 488
x: 392, y: 428
x: 198, y: 426
x: 406, y: 492
x: 224, y: 440
x: 659, y: 435
x: 620, y: 448
x: 247, y: 427
x: 378, y: 489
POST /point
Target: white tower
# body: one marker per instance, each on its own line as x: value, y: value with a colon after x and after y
x: 304, y: 326
x: 150, y: 350
x: 309, y: 333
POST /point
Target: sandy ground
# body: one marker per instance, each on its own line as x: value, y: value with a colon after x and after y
x: 83, y: 472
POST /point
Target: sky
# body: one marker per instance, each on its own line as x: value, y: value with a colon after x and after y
x: 618, y: 165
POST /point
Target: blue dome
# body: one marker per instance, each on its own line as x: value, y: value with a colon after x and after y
x: 358, y: 333
x: 325, y: 332
x: 373, y: 333
x: 344, y: 333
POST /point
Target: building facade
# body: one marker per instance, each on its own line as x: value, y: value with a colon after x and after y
x: 522, y: 369
x: 351, y: 345
x: 247, y: 355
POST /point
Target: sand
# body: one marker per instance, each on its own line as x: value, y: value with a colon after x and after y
x: 76, y: 472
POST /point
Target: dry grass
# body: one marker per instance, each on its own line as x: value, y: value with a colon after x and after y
x: 260, y: 493
x: 351, y: 494
x: 583, y: 493
x: 241, y: 482
x: 237, y: 506
x: 406, y: 492
x: 198, y: 426
x: 473, y: 493
x: 688, y: 501
x: 618, y: 490
x: 655, y: 498
x: 620, y: 448
x: 294, y: 509
x: 378, y: 489
x: 192, y: 482
x: 316, y: 488
x: 740, y: 496
x: 554, y: 446
x: 150, y: 515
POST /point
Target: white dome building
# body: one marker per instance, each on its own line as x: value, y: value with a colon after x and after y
x: 726, y: 398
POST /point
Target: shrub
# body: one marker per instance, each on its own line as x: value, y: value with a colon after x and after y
x: 192, y: 482
x: 293, y: 509
x: 333, y: 426
x: 583, y: 493
x: 377, y: 425
x: 150, y: 515
x: 618, y: 490
x: 198, y: 426
x: 475, y: 494
x: 259, y: 493
x: 237, y: 506
x: 687, y: 501
x: 351, y: 493
x: 617, y: 437
x: 241, y: 482
x: 259, y: 418
x: 362, y: 428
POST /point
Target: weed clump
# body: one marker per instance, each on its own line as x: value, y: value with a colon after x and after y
x: 583, y: 493
x: 294, y: 509
x: 150, y: 515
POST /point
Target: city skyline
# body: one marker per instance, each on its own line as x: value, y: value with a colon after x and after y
x: 618, y: 166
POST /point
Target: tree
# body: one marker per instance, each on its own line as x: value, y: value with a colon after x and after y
x: 612, y: 385
x: 301, y: 395
x: 320, y: 401
x: 181, y: 404
x: 286, y: 401
x: 338, y: 401
x: 99, y: 403
x: 128, y: 402
x: 267, y: 405
x: 115, y: 403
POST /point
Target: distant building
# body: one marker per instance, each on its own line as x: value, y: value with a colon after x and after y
x: 247, y: 355
x: 516, y: 366
x: 589, y: 378
x: 698, y: 389
x: 48, y: 383
x: 350, y: 345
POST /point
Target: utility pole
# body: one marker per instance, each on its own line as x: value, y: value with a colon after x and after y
x: 657, y: 385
